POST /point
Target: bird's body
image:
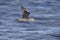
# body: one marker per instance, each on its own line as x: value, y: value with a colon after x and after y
x: 24, y: 19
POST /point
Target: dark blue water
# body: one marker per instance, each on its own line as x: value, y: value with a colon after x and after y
x: 46, y: 26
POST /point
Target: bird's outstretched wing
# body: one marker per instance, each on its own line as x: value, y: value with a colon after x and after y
x: 25, y: 12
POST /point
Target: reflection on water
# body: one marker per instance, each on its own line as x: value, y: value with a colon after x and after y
x: 45, y: 12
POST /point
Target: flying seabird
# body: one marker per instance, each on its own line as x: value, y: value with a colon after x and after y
x: 25, y: 15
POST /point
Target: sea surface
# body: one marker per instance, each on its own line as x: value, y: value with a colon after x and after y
x: 45, y: 12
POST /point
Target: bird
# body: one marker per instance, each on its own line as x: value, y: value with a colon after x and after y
x: 25, y: 15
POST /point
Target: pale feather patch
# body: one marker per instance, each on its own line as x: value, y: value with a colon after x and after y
x: 23, y: 19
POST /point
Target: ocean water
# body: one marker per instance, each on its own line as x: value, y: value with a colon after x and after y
x: 45, y: 12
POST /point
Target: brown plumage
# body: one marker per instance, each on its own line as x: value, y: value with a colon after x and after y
x: 25, y: 12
